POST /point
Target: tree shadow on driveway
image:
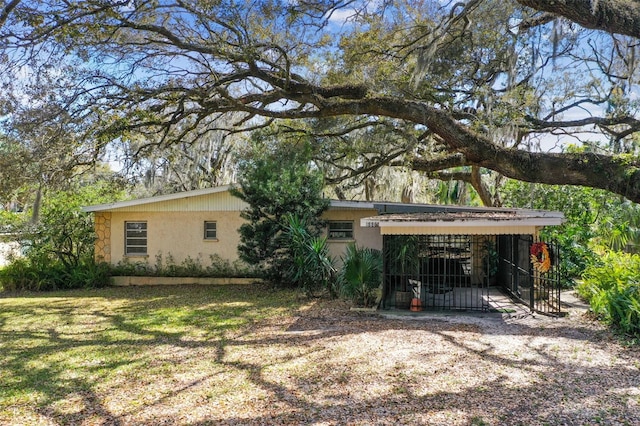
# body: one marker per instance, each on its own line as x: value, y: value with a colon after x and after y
x: 194, y: 356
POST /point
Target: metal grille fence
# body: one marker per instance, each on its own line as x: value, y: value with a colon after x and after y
x: 454, y: 272
x: 540, y: 291
x: 442, y: 271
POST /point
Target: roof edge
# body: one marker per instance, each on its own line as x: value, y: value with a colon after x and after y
x: 156, y: 199
x: 382, y: 207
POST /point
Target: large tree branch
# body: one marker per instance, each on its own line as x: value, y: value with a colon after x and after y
x: 6, y: 11
x: 614, y: 16
x: 440, y: 163
x: 619, y: 174
x: 538, y: 124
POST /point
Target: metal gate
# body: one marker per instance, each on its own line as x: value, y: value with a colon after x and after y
x: 535, y: 285
x: 441, y: 271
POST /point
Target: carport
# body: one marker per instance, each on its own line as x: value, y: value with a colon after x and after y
x: 454, y: 258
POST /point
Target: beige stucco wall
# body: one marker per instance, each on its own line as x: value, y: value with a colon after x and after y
x: 363, y: 237
x: 179, y: 234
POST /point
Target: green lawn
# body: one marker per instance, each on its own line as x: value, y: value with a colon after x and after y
x: 66, y: 356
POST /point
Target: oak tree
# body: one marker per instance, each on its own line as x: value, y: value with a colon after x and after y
x: 462, y: 87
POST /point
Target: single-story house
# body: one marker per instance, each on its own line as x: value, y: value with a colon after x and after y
x: 439, y: 254
x: 203, y: 222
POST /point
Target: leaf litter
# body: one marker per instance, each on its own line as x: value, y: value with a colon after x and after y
x: 328, y: 365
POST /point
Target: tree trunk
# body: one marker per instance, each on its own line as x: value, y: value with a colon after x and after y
x: 37, y: 203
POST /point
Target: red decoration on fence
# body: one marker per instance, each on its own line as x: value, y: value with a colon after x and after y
x: 540, y: 257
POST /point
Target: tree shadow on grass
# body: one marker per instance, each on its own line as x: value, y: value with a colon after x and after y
x: 38, y: 339
x: 132, y: 339
x: 553, y: 398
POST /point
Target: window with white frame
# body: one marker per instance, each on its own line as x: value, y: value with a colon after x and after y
x: 341, y: 230
x: 210, y: 230
x: 135, y: 237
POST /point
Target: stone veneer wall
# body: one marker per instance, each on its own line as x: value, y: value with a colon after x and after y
x: 103, y: 233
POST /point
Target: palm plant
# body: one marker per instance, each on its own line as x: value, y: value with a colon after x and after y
x: 311, y: 267
x: 361, y: 275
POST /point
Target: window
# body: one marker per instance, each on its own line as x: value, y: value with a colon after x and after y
x: 135, y: 238
x: 341, y: 230
x: 210, y: 231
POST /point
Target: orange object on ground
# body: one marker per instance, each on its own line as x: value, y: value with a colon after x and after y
x: 416, y: 305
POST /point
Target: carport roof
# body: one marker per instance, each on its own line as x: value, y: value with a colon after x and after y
x: 457, y: 218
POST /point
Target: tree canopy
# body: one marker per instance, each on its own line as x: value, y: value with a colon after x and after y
x: 515, y: 87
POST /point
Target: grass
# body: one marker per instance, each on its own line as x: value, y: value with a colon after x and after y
x: 248, y: 355
x: 60, y: 352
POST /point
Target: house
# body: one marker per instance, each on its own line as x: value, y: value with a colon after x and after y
x: 441, y: 255
x: 203, y: 222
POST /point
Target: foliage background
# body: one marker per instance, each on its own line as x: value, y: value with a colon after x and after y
x: 58, y: 248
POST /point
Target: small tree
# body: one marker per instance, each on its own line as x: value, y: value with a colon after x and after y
x: 59, y: 247
x: 277, y: 181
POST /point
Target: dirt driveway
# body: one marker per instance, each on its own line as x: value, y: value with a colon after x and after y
x: 345, y: 367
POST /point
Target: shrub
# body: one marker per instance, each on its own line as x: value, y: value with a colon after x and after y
x: 360, y: 278
x: 42, y: 274
x: 612, y: 288
x: 189, y: 267
x: 19, y: 275
x: 220, y: 267
x: 311, y: 268
x: 135, y: 269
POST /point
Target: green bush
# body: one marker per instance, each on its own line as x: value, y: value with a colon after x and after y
x: 612, y: 288
x: 43, y: 274
x: 189, y: 267
x: 360, y: 278
x: 311, y: 268
x: 19, y: 275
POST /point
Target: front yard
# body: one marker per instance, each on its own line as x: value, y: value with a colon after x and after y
x: 248, y: 355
